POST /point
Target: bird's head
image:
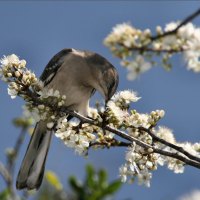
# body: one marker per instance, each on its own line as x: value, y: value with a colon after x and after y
x: 104, y: 75
x: 108, y: 83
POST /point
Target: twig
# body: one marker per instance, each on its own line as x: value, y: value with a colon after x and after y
x: 117, y: 132
x: 167, y: 33
x: 5, y: 174
x: 150, y: 49
x: 108, y: 145
x: 132, y: 139
x: 177, y: 148
x: 185, y: 21
x: 17, y: 146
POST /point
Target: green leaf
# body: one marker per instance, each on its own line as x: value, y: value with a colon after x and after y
x: 113, y: 187
x: 76, y: 186
x: 53, y: 179
x: 90, y: 177
x: 102, y: 178
x: 5, y: 194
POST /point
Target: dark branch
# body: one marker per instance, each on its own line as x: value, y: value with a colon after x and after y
x: 173, y: 146
x: 156, y: 37
x: 117, y: 132
x: 5, y: 174
x: 11, y: 161
x: 132, y: 139
x: 108, y: 145
x: 185, y: 21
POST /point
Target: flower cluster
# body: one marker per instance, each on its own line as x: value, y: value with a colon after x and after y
x: 141, y: 162
x: 14, y: 72
x: 23, y: 82
x: 75, y: 136
x: 138, y: 49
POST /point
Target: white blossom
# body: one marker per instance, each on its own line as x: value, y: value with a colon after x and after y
x: 118, y: 113
x: 138, y: 119
x: 171, y: 26
x: 10, y: 60
x: 144, y: 177
x: 165, y: 134
x: 191, y: 148
x: 12, y: 92
x: 194, y: 195
x: 78, y: 139
x: 123, y: 171
x: 127, y: 95
x: 175, y: 165
x: 138, y: 66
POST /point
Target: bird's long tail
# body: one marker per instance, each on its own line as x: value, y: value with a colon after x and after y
x: 32, y: 168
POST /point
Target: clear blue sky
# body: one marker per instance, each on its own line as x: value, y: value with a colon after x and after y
x: 35, y: 31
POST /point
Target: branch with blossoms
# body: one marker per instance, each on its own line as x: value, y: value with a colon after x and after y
x: 116, y: 125
x: 140, y: 50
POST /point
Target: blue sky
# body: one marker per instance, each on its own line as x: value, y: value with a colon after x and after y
x: 35, y: 31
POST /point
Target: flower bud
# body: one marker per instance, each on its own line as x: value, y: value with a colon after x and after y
x: 17, y: 74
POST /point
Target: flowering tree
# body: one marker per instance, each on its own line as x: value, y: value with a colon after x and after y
x: 117, y: 124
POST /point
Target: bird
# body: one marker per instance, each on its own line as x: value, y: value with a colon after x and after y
x: 77, y: 74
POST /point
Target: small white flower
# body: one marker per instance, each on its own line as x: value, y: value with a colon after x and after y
x: 176, y: 165
x: 160, y: 160
x: 123, y: 171
x: 74, y: 138
x: 12, y: 92
x: 22, y: 63
x: 127, y: 95
x: 10, y: 60
x: 118, y: 113
x: 138, y: 66
x: 165, y: 134
x: 120, y: 29
x: 171, y: 26
x: 144, y: 177
x: 194, y: 195
x: 189, y: 148
x: 138, y: 120
x: 187, y: 31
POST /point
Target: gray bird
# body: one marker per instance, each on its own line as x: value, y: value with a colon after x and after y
x: 77, y: 75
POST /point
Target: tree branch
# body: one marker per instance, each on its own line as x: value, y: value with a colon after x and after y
x: 112, y: 144
x: 156, y: 37
x: 177, y: 148
x: 132, y: 139
x: 150, y: 49
x: 17, y: 146
x: 186, y: 158
x: 5, y: 174
x: 185, y: 21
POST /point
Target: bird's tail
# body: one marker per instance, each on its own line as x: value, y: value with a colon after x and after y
x: 32, y: 168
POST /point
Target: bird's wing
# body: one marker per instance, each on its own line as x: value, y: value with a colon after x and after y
x: 53, y: 66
